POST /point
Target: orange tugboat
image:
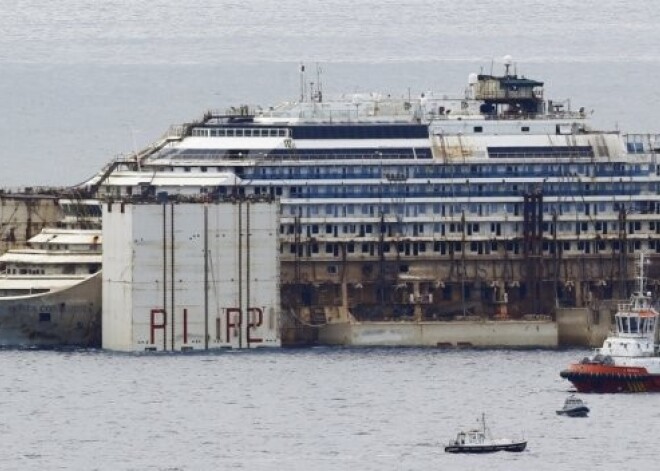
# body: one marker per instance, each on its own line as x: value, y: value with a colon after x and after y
x: 629, y: 360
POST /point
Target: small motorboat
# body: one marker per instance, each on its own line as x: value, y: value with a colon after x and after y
x: 480, y: 441
x: 574, y: 407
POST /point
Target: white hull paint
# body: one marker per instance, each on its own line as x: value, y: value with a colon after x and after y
x: 67, y: 317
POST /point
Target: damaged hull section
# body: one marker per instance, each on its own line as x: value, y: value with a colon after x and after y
x: 67, y: 317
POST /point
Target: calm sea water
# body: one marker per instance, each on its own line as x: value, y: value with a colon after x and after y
x: 317, y: 409
x: 83, y: 81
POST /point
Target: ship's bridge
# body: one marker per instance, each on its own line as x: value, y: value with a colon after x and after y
x: 637, y: 318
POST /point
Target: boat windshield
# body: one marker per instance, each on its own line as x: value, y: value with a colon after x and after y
x: 635, y: 325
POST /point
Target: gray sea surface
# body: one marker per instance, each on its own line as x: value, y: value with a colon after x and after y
x: 314, y: 409
x: 82, y: 81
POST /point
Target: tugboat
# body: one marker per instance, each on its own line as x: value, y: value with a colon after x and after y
x: 574, y: 407
x: 480, y: 441
x: 629, y: 360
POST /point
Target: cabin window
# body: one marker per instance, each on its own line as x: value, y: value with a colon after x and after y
x: 633, y: 325
x: 525, y: 129
x: 478, y: 129
x: 44, y: 317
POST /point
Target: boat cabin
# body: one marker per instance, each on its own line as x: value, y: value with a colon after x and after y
x: 636, y: 324
x: 471, y: 437
x: 573, y: 401
x: 636, y: 329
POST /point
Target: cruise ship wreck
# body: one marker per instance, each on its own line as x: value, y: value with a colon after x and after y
x: 424, y: 220
x: 50, y: 287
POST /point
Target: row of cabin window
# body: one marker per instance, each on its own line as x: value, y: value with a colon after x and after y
x: 239, y: 132
x: 478, y: 129
x: 73, y: 248
x: 443, y: 248
x: 433, y: 171
x: 484, y: 209
x: 66, y: 270
x: 427, y: 171
x: 25, y: 271
x: 376, y: 189
x: 365, y: 190
x: 496, y: 228
x: 321, y: 172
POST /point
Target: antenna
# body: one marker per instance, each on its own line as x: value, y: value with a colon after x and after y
x: 135, y: 152
x: 640, y: 272
x: 319, y: 84
x: 302, y: 82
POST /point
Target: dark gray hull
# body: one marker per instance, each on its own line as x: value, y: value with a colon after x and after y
x: 512, y: 447
x: 575, y: 412
x: 67, y: 318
